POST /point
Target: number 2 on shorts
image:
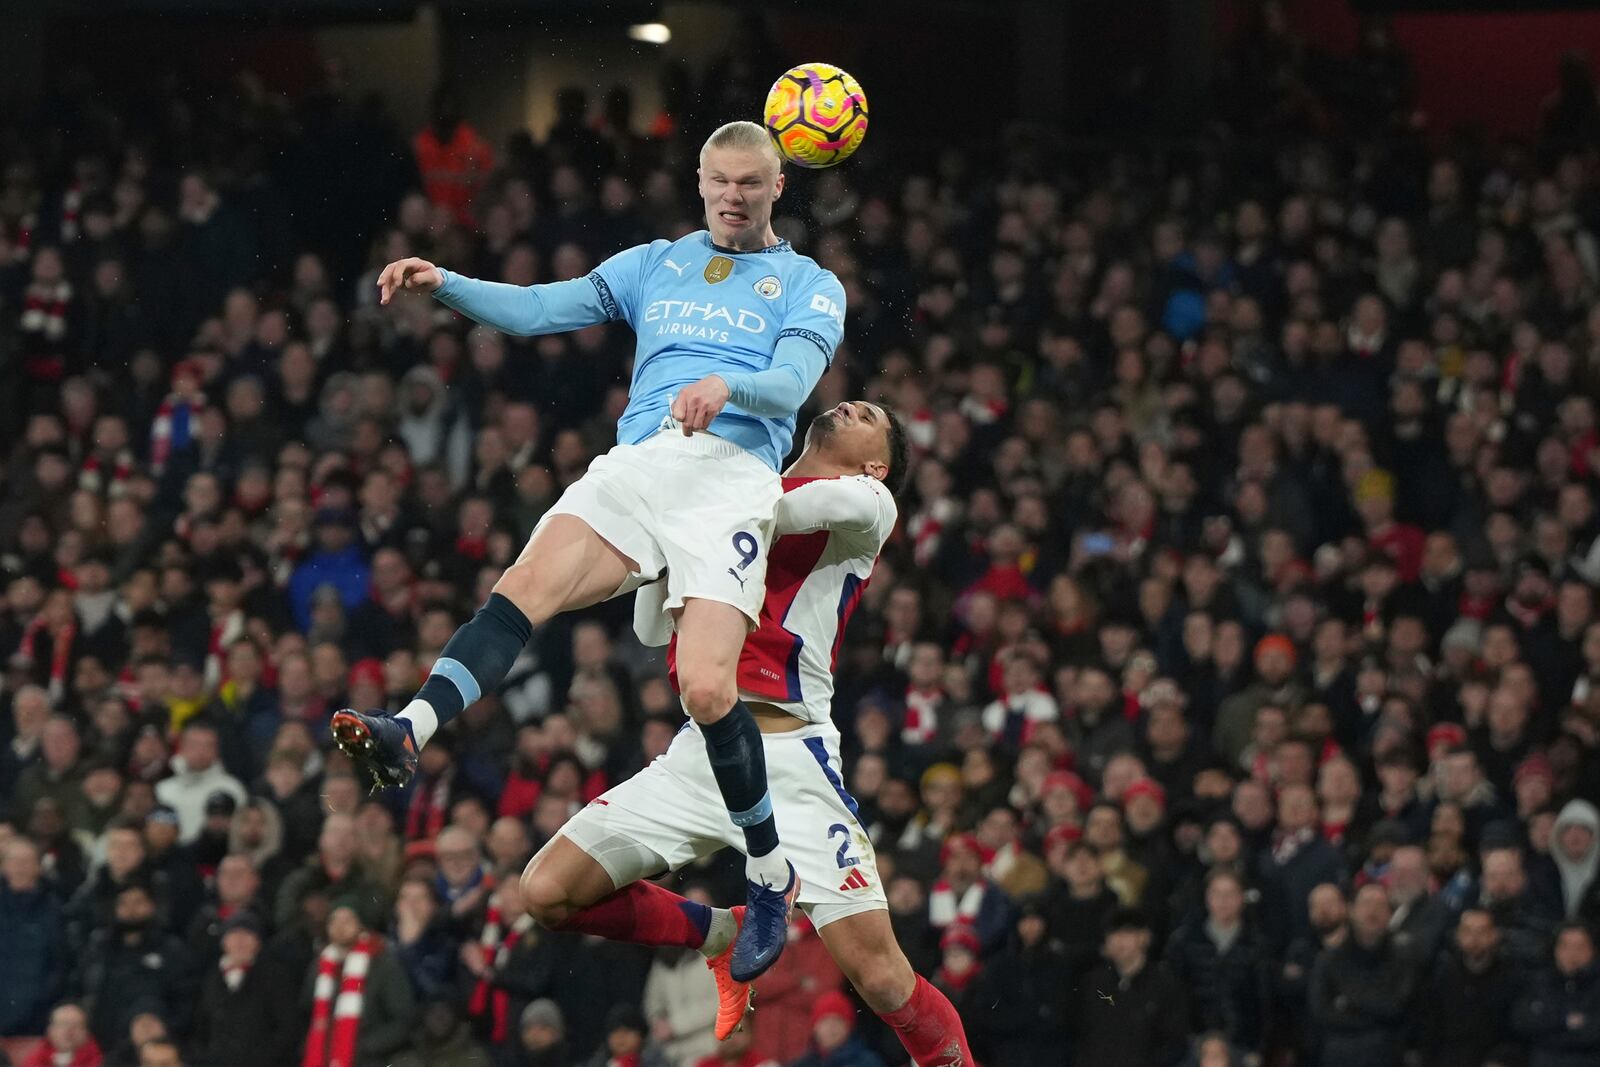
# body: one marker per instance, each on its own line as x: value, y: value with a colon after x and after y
x: 836, y: 830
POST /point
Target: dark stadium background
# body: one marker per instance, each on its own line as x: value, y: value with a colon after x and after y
x: 1132, y: 123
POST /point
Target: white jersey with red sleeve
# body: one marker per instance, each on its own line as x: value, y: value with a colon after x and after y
x: 828, y: 533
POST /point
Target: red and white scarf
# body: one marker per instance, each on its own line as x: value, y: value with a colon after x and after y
x: 60, y: 652
x: 922, y: 715
x: 109, y: 475
x: 497, y: 941
x: 1286, y: 846
x: 44, y: 309
x: 944, y: 907
x: 341, y: 987
x: 430, y: 803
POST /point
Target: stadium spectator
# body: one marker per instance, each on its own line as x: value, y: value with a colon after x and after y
x: 1263, y: 470
x: 680, y: 1001
x: 627, y: 1042
x: 1025, y: 1021
x: 356, y: 995
x: 1362, y: 988
x: 443, y: 1037
x: 1129, y: 1009
x: 66, y: 1041
x: 33, y: 952
x: 833, y: 1039
x: 541, y: 1039
x: 332, y: 870
x: 1471, y: 992
x: 1222, y: 959
x: 133, y: 965
x: 198, y: 774
x: 1559, y: 1016
x: 246, y: 1014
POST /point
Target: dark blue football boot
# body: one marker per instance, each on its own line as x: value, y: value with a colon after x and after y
x: 380, y: 746
x: 765, y: 928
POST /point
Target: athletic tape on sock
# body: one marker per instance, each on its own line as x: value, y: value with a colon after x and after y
x: 458, y: 675
x: 758, y: 814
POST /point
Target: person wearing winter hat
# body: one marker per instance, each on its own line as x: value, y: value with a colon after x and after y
x: 247, y: 1009
x: 1275, y: 661
x: 962, y: 893
x: 627, y: 1041
x: 542, y: 1033
x: 1575, y: 857
x: 833, y: 1038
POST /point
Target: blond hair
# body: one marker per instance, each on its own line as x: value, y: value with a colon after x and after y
x: 742, y: 137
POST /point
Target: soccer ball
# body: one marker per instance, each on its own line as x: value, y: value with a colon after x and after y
x: 817, y: 115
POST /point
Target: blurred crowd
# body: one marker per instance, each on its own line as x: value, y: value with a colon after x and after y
x: 1229, y: 694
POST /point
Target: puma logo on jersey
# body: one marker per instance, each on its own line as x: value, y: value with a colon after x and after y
x: 738, y: 578
x: 677, y: 268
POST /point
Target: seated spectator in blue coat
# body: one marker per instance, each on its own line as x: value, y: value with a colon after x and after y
x: 32, y: 944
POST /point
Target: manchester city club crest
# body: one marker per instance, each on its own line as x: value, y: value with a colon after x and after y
x: 770, y: 287
x: 718, y: 269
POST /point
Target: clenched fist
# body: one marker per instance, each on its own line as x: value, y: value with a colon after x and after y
x: 695, y: 406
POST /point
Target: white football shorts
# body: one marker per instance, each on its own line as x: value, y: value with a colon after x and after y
x: 699, y: 509
x: 670, y: 814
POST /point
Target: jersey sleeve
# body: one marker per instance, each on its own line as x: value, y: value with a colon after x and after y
x: 620, y: 283
x: 817, y: 314
x: 856, y: 505
x: 778, y: 391
x: 523, y: 310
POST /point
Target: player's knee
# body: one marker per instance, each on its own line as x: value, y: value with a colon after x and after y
x: 707, y: 697
x: 545, y: 897
x: 526, y: 586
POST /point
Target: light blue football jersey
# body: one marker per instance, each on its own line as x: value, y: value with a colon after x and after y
x: 697, y: 309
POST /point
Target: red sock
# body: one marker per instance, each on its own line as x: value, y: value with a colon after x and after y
x: 930, y: 1029
x: 644, y: 914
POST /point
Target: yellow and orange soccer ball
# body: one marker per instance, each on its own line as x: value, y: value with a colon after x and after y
x: 817, y: 115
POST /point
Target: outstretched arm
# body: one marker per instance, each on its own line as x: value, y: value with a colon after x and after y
x: 524, y: 310
x: 608, y: 292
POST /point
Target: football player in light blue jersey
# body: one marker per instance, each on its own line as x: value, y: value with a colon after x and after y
x: 734, y: 330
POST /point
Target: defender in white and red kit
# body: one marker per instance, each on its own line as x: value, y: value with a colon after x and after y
x: 834, y: 517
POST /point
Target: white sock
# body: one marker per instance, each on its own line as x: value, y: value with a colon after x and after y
x: 423, y: 719
x: 720, y: 935
x: 771, y: 870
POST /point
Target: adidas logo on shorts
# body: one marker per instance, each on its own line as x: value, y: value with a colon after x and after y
x: 857, y: 880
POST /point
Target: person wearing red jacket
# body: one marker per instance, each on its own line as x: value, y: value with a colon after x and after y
x: 454, y: 159
x: 67, y: 1043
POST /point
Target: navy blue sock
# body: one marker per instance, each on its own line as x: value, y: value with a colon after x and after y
x: 739, y: 762
x: 477, y: 659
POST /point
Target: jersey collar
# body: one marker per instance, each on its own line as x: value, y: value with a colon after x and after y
x: 781, y: 246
